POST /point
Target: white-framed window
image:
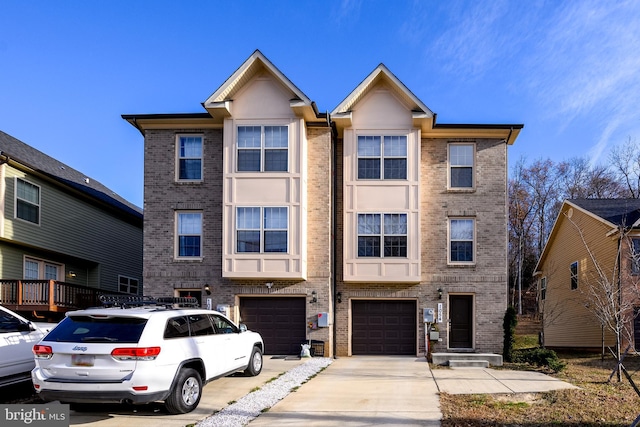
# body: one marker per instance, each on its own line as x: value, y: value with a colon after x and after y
x: 543, y: 288
x: 635, y: 256
x: 461, y: 165
x: 128, y: 285
x: 382, y: 157
x: 573, y: 272
x: 382, y: 235
x: 189, y: 156
x: 27, y: 201
x: 263, y: 149
x: 262, y: 229
x: 461, y: 240
x: 189, y: 234
x: 39, y: 269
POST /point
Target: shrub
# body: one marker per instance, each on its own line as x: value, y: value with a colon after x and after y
x: 509, y: 326
x: 539, y: 357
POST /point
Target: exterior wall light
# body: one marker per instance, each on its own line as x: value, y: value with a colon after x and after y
x: 314, y: 296
x: 439, y: 293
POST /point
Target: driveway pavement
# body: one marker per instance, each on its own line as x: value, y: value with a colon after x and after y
x: 352, y: 391
x: 362, y: 391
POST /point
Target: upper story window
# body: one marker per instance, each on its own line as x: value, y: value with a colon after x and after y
x: 574, y: 275
x: 262, y: 229
x: 635, y: 256
x: 37, y: 269
x: 189, y: 234
x: 128, y: 285
x: 543, y: 288
x: 382, y: 157
x: 263, y: 148
x: 461, y: 240
x: 189, y: 157
x: 461, y: 165
x: 27, y: 201
x: 382, y: 235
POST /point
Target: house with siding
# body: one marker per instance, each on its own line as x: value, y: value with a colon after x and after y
x: 64, y: 237
x: 593, y: 252
x: 338, y: 229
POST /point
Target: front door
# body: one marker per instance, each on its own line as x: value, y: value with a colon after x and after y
x: 461, y: 321
x: 636, y: 328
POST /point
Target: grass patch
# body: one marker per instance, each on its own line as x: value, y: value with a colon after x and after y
x: 596, y: 403
x: 254, y: 389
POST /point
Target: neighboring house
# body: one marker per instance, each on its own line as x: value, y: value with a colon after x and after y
x: 64, y: 237
x: 337, y: 228
x: 591, y: 239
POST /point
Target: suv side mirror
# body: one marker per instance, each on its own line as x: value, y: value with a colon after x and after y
x: 243, y: 327
x: 25, y: 327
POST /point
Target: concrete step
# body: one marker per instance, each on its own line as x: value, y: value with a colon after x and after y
x: 476, y: 363
x: 447, y: 358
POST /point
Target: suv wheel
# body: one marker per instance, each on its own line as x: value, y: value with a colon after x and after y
x: 186, y: 392
x: 255, y: 363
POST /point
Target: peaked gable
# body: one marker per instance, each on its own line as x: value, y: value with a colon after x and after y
x: 219, y: 104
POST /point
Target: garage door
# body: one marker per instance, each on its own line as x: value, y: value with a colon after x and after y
x: 280, y: 321
x: 384, y: 327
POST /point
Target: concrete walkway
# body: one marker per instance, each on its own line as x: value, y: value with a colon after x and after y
x: 494, y: 381
x: 362, y: 391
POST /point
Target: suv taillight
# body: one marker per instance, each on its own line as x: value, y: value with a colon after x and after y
x: 42, y: 351
x: 135, y: 353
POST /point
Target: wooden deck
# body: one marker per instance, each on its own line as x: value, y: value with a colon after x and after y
x: 46, y: 297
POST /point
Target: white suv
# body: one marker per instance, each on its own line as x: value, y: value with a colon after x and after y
x: 141, y: 350
x: 17, y: 337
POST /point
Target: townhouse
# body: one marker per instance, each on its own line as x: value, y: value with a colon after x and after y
x: 358, y: 230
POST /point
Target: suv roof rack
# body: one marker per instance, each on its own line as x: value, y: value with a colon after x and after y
x: 126, y: 301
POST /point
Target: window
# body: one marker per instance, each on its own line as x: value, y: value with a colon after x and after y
x: 128, y: 285
x: 543, y: 288
x: 384, y: 234
x: 189, y: 158
x: 461, y: 165
x: 574, y: 275
x: 189, y: 232
x: 635, y: 256
x: 384, y: 157
x: 461, y: 238
x: 262, y: 229
x: 37, y: 269
x: 263, y: 148
x: 27, y: 201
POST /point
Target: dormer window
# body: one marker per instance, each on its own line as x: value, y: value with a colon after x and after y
x: 263, y: 148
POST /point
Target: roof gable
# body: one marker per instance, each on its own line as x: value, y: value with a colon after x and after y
x: 219, y: 104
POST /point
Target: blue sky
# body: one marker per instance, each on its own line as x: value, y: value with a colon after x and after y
x: 568, y: 70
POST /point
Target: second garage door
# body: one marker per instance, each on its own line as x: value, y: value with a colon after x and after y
x: 382, y: 327
x: 280, y: 321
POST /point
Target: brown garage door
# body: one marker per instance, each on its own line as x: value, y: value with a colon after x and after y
x: 384, y: 327
x: 280, y: 321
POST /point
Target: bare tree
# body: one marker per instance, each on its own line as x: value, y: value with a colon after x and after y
x: 625, y: 162
x: 606, y: 296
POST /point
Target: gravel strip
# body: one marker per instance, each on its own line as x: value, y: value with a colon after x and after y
x: 241, y: 413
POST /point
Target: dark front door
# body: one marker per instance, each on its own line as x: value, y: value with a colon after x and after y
x: 280, y: 321
x: 636, y: 328
x: 460, y: 321
x: 383, y: 327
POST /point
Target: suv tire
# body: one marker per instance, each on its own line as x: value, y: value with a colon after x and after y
x: 186, y: 392
x: 255, y: 363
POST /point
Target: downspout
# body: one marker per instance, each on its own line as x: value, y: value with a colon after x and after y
x: 334, y: 245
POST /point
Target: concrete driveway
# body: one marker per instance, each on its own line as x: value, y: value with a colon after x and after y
x: 362, y: 391
x: 216, y: 395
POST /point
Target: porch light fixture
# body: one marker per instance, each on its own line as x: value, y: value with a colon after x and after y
x: 314, y: 296
x: 207, y: 289
x: 339, y: 297
x: 72, y: 274
x: 439, y: 293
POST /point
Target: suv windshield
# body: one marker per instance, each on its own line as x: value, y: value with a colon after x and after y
x: 92, y: 329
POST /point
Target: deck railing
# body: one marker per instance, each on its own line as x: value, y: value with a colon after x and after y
x: 46, y: 295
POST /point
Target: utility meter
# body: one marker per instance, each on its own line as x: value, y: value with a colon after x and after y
x: 429, y: 315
